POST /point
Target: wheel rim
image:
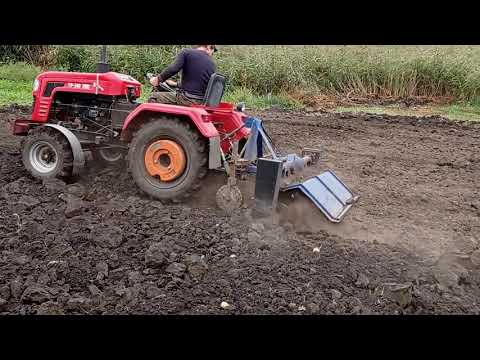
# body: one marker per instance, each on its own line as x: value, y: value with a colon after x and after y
x: 43, y: 157
x: 165, y: 159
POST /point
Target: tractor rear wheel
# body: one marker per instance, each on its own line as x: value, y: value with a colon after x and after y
x: 167, y: 159
x: 47, y: 154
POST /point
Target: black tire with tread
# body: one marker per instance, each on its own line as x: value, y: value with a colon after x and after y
x: 64, y: 167
x: 195, y: 150
x: 99, y: 158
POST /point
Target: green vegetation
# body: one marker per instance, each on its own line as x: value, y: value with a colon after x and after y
x: 458, y: 112
x: 266, y: 76
x: 463, y: 111
x: 16, y: 83
x: 393, y: 71
x: 19, y: 72
x: 13, y: 92
x: 252, y: 101
x: 261, y: 101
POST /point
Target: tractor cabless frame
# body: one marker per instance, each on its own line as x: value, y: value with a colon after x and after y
x: 221, y: 124
x: 210, y: 121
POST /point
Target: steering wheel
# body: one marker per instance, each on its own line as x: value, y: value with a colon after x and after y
x: 166, y: 87
x: 162, y: 85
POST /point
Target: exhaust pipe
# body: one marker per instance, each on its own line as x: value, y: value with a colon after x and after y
x: 102, y: 65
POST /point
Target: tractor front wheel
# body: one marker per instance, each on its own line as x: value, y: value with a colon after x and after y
x: 47, y: 154
x: 167, y: 159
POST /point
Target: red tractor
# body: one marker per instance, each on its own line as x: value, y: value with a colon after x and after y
x: 168, y: 148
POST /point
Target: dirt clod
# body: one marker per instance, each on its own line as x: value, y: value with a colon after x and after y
x: 134, y: 277
x: 3, y: 304
x: 54, y: 185
x: 108, y: 236
x: 16, y: 287
x: 94, y: 290
x: 313, y: 308
x: 197, y: 267
x: 475, y: 258
x: 76, y: 190
x: 28, y: 201
x: 176, y: 269
x: 258, y: 227
x: 5, y: 292
x: 22, y: 259
x: 362, y: 281
x: 336, y: 294
x: 153, y: 292
x: 102, y: 270
x: 401, y: 294
x: 36, y: 294
x: 77, y: 303
x: 155, y: 256
x: 50, y: 308
x: 446, y: 278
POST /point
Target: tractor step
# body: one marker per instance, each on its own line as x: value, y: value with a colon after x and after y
x: 328, y: 193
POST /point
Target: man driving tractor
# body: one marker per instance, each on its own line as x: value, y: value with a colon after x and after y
x: 197, y: 67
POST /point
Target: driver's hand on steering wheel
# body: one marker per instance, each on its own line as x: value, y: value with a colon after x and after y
x: 154, y: 81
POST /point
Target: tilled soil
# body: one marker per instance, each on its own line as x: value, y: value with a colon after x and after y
x: 98, y: 246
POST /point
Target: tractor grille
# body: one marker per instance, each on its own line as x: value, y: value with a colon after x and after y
x: 43, y: 107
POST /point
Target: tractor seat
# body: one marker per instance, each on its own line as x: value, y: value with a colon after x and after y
x: 215, y: 89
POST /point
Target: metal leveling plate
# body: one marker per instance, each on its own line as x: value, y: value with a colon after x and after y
x: 328, y: 193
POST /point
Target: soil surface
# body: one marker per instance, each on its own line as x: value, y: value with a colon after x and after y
x: 409, y: 246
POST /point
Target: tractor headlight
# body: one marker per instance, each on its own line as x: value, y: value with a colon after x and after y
x: 36, y: 84
x: 241, y: 107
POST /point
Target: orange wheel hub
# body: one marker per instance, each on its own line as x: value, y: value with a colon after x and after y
x: 165, y: 159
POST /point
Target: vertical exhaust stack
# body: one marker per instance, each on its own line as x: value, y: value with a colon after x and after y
x: 103, y: 66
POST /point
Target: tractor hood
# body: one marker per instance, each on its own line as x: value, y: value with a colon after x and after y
x: 110, y: 83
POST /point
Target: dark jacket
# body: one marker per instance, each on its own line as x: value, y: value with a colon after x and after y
x: 197, y: 68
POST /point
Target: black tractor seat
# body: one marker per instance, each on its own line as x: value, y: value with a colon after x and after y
x: 215, y: 90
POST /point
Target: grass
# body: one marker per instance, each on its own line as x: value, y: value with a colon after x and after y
x: 455, y: 112
x: 16, y: 83
x: 261, y: 102
x: 14, y: 92
x: 19, y: 72
x: 470, y: 112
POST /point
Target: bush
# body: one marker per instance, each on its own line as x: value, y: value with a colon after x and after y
x: 39, y: 55
x: 133, y: 60
x: 72, y: 58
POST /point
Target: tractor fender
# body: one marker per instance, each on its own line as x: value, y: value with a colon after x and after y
x: 197, y: 115
x: 78, y: 155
